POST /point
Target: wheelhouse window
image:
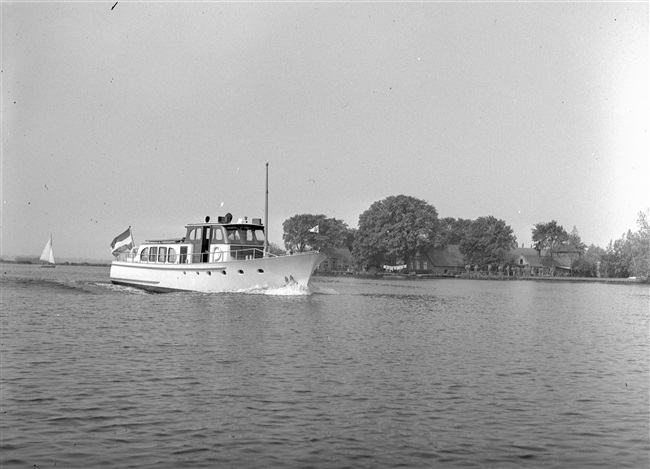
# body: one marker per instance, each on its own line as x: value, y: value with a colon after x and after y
x: 217, y: 234
x: 233, y: 234
x: 195, y: 234
x: 258, y: 234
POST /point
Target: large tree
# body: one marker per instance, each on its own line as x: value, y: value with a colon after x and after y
x: 349, y: 238
x: 313, y: 232
x: 576, y: 249
x: 488, y: 240
x: 549, y: 236
x: 629, y: 255
x: 640, y: 247
x: 617, y: 261
x: 394, y: 230
x: 575, y: 241
x: 454, y: 229
x: 587, y: 265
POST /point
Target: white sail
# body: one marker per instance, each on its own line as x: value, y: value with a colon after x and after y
x: 48, y: 254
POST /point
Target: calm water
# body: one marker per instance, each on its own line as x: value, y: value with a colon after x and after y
x: 432, y: 373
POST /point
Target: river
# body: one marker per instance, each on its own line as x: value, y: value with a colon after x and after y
x: 357, y: 373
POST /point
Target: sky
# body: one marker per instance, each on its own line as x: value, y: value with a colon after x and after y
x: 156, y: 114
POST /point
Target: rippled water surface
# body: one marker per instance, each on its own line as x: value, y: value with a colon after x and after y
x: 358, y: 373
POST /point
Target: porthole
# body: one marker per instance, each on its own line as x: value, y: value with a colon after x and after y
x: 223, y: 272
x: 241, y: 272
x: 197, y: 272
x: 209, y: 273
x: 260, y: 271
x: 184, y: 273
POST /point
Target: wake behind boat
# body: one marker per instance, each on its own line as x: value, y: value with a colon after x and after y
x: 212, y: 257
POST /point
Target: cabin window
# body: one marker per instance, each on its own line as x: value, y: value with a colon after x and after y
x: 171, y: 256
x: 217, y: 233
x: 144, y: 255
x: 259, y: 234
x: 233, y: 234
x: 153, y: 253
x: 195, y: 234
x: 162, y: 254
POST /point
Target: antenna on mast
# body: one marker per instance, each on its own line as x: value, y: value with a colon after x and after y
x: 266, y: 213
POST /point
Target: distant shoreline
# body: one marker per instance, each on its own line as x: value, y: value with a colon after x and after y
x: 564, y: 279
x: 480, y: 277
x: 37, y: 263
x: 379, y: 276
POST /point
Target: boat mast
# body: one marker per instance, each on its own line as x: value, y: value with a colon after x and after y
x: 266, y: 213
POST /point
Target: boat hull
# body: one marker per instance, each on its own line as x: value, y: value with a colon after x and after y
x: 266, y: 272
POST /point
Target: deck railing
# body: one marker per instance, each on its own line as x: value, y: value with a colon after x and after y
x: 237, y: 252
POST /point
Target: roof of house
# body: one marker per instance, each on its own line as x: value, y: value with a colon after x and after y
x: 530, y: 256
x: 568, y: 249
x: 339, y: 253
x: 533, y: 258
x: 449, y: 257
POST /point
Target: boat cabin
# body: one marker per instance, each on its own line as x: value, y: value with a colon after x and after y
x: 207, y: 242
x: 220, y: 242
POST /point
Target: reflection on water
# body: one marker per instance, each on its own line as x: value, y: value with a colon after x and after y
x: 353, y: 373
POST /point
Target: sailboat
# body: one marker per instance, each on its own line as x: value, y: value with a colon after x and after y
x: 48, y: 254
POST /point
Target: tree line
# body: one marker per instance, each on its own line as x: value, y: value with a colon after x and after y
x: 396, y: 229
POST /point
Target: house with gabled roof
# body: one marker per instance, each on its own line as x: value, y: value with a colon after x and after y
x: 338, y: 260
x: 542, y: 262
x: 448, y: 261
